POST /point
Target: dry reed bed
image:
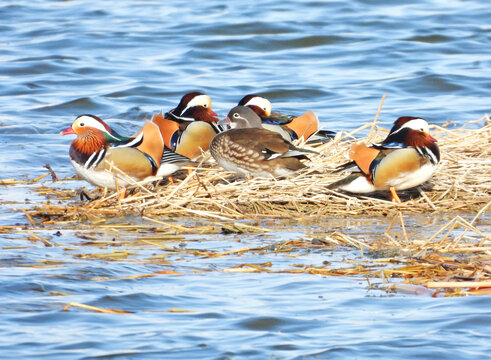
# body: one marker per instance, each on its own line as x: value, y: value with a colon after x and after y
x: 461, y: 184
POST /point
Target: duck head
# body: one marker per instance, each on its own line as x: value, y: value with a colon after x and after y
x: 92, y: 134
x: 85, y: 121
x: 410, y: 131
x: 242, y: 117
x: 194, y: 106
x: 260, y: 105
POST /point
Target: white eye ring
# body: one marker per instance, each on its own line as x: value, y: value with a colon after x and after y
x: 236, y: 115
x: 205, y: 105
x: 82, y: 124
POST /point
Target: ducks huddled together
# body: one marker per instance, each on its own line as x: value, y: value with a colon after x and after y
x: 251, y: 141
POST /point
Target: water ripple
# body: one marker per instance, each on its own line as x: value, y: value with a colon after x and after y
x: 127, y: 62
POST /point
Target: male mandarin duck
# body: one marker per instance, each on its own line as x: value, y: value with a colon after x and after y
x: 188, y: 128
x: 98, y: 149
x: 290, y: 127
x: 408, y: 157
x: 249, y: 149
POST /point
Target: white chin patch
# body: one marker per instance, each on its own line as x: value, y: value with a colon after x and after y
x: 260, y: 102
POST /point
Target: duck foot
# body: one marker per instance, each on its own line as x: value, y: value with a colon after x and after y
x: 395, y: 197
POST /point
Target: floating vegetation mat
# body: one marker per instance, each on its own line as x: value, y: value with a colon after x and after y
x: 436, y: 242
x: 411, y: 255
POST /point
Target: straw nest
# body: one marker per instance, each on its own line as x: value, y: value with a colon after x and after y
x: 461, y: 184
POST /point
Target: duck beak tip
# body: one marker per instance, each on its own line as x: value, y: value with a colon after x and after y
x: 224, y: 121
x: 67, y: 131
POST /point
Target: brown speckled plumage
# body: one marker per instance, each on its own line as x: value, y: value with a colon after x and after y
x: 254, y: 150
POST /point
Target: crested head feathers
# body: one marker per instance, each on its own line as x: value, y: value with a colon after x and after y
x: 194, y: 106
x: 260, y: 105
x: 91, y: 121
x: 408, y: 131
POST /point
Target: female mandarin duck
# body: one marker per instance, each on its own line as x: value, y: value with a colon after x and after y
x: 98, y: 149
x: 405, y: 159
x: 290, y: 127
x: 249, y: 149
x: 188, y: 128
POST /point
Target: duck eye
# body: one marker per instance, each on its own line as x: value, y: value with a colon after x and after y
x: 82, y: 124
x: 264, y: 108
x: 205, y: 105
x: 236, y: 115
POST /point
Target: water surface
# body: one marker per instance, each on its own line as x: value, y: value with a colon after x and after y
x: 125, y: 61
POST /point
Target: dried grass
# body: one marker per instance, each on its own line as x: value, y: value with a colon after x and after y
x: 461, y: 184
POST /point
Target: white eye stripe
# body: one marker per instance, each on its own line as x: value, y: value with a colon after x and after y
x: 417, y: 124
x: 200, y: 100
x: 85, y: 121
x: 261, y: 102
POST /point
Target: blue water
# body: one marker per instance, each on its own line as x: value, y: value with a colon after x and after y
x: 127, y: 60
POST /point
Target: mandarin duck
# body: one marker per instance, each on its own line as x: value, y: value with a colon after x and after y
x: 188, y: 128
x: 98, y: 150
x: 249, y: 149
x: 407, y: 158
x: 289, y: 126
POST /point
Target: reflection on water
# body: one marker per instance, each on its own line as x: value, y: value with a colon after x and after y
x: 126, y: 62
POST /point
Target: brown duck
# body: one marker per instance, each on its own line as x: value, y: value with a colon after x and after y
x: 249, y: 149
